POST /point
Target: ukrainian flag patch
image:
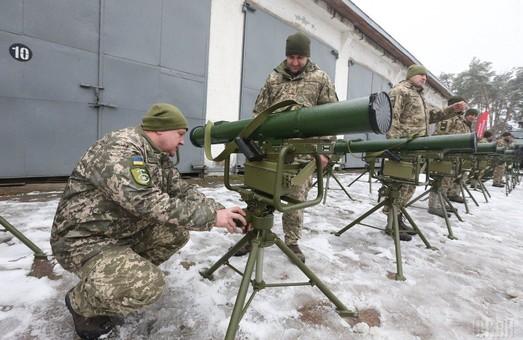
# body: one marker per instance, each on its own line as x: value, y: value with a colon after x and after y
x: 137, y: 161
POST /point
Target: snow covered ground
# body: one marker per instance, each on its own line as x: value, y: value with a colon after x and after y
x: 470, y: 288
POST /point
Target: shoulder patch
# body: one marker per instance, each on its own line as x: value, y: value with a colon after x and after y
x: 141, y: 176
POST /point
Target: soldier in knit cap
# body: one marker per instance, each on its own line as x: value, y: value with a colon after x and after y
x: 411, y: 117
x: 299, y: 79
x: 125, y: 210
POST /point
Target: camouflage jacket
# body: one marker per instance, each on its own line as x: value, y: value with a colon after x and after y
x: 120, y: 186
x: 410, y: 113
x: 502, y: 142
x: 309, y: 88
x: 453, y: 126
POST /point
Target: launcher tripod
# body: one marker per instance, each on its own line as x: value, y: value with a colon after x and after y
x: 265, y: 186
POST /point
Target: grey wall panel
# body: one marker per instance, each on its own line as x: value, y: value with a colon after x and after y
x: 61, y: 132
x: 185, y: 35
x: 128, y: 86
x: 132, y: 29
x: 12, y: 151
x: 11, y: 16
x: 71, y: 23
x: 54, y: 72
x: 45, y: 138
x: 187, y: 94
x: 264, y: 49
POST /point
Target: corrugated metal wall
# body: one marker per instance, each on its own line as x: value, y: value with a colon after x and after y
x: 80, y: 84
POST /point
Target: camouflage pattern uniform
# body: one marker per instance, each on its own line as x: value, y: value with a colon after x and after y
x: 499, y: 169
x: 309, y: 88
x: 124, y: 211
x: 452, y: 126
x: 411, y: 116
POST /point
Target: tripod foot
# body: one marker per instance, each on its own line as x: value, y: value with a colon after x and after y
x: 205, y: 274
x: 452, y: 237
x: 346, y: 312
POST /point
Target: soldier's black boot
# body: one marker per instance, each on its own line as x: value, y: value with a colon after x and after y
x: 89, y: 328
x: 405, y: 227
x: 456, y: 198
x: 404, y: 236
x: 296, y: 250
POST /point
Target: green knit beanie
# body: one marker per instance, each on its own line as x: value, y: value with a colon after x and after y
x: 163, y: 117
x: 298, y: 44
x: 472, y: 112
x: 415, y: 70
x: 455, y: 99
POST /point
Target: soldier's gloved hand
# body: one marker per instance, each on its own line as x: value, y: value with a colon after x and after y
x: 459, y: 106
x: 229, y: 217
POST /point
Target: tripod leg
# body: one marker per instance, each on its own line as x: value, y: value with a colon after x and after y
x: 485, y: 188
x: 397, y: 246
x: 417, y: 198
x: 414, y: 225
x: 447, y: 222
x: 340, y: 307
x: 341, y: 186
x: 463, y: 186
x: 454, y: 210
x: 481, y: 187
x: 361, y: 218
x: 467, y: 211
x: 38, y: 253
x: 329, y: 174
x: 244, y: 240
x: 238, y: 309
x: 354, y: 181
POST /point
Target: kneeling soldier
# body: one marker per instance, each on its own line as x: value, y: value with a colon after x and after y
x: 124, y: 211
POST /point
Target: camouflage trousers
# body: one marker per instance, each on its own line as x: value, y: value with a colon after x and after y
x: 120, y: 280
x: 293, y: 220
x: 406, y: 191
x: 448, y: 188
x: 499, y: 172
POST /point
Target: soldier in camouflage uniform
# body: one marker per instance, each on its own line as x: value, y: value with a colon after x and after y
x: 299, y: 79
x: 124, y: 211
x: 462, y: 123
x: 411, y: 116
x: 499, y: 171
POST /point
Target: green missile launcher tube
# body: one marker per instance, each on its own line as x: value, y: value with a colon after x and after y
x: 368, y: 114
x: 461, y: 142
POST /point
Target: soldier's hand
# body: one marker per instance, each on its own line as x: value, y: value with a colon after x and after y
x: 229, y: 219
x: 324, y: 161
x: 459, y: 106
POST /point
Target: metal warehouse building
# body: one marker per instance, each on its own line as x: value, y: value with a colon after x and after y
x: 72, y: 70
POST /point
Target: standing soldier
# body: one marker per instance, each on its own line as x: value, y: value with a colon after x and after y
x: 125, y: 210
x: 411, y: 117
x: 299, y: 79
x: 462, y: 123
x: 499, y: 171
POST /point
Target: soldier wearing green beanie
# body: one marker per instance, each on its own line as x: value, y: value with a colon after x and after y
x: 163, y: 117
x: 411, y: 115
x: 124, y: 211
x: 295, y: 78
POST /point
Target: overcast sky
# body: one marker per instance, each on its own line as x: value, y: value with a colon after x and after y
x: 445, y: 35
